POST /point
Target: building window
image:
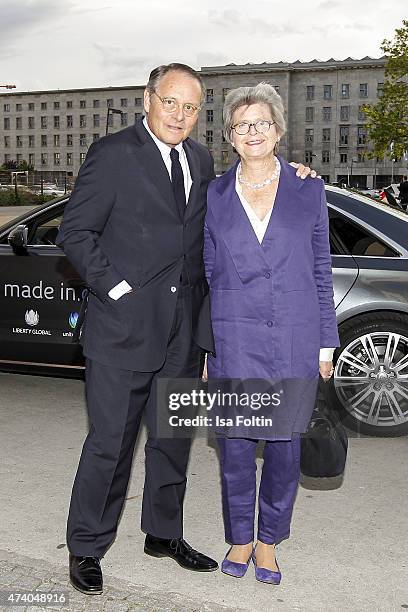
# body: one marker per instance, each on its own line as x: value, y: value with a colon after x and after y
x: 327, y: 92
x: 343, y: 158
x: 44, y: 159
x: 344, y: 113
x: 109, y: 102
x: 326, y: 133
x: 361, y: 135
x: 31, y: 159
x: 308, y: 157
x: 209, y: 97
x: 310, y: 92
x: 96, y: 104
x: 57, y: 159
x: 6, y: 108
x: 7, y: 142
x: 380, y: 89
x: 56, y: 140
x: 70, y: 121
x: 224, y: 157
x: 31, y: 140
x: 361, y: 114
x: 56, y: 122
x: 225, y: 93
x: 309, y: 113
x: 345, y: 91
x: 327, y: 113
x: 19, y: 141
x: 209, y: 137
x: 109, y: 120
x: 363, y: 90
x: 82, y: 104
x: 276, y: 88
x: 82, y: 158
x: 19, y: 123
x: 43, y: 123
x: 309, y: 135
x: 361, y: 157
x: 326, y: 157
x: 19, y: 107
x: 56, y: 105
x: 31, y: 106
x: 19, y: 158
x: 43, y: 140
x: 137, y: 116
x: 6, y: 158
x: 69, y: 159
x: 70, y: 140
x: 82, y: 140
x: 344, y: 135
x: 95, y: 137
x: 96, y: 121
x: 31, y: 123
x: 210, y: 116
x: 6, y: 123
x: 69, y: 104
x: 43, y: 106
x: 123, y: 102
x: 124, y: 119
x: 138, y: 101
x: 82, y: 121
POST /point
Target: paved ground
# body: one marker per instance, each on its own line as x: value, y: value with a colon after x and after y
x: 7, y: 213
x: 348, y: 550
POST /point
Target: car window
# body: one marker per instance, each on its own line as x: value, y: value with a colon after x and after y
x: 353, y: 239
x: 45, y: 232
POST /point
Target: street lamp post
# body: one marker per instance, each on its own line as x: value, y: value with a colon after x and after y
x: 113, y: 111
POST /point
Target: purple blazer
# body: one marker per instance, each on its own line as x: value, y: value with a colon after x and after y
x: 272, y: 303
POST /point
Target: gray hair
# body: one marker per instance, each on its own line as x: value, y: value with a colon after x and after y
x: 263, y: 93
x: 159, y: 72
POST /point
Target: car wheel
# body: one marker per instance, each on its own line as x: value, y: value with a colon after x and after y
x: 369, y: 387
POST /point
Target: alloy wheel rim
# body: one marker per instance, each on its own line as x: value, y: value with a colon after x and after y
x: 371, y: 379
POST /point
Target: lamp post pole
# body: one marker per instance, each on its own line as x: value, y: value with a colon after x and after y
x: 113, y: 111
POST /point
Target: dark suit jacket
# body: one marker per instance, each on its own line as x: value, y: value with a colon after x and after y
x: 122, y: 223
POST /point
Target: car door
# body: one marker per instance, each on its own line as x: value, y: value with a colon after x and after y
x: 40, y: 297
x: 344, y: 266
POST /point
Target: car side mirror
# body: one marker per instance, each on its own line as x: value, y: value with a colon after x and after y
x: 18, y: 237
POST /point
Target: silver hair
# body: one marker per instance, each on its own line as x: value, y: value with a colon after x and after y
x: 159, y: 72
x: 263, y: 93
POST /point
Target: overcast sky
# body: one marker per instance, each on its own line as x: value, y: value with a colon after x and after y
x: 51, y: 44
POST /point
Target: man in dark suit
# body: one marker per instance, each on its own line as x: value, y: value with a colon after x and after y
x: 133, y: 229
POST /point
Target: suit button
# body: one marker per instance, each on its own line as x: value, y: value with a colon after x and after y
x: 267, y: 275
x: 269, y: 323
x: 173, y: 289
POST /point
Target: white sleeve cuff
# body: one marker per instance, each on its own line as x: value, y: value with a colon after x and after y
x: 326, y: 354
x: 116, y: 292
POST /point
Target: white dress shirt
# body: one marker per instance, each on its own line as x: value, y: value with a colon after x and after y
x: 260, y: 226
x: 123, y: 287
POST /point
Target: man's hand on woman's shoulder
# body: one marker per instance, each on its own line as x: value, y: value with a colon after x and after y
x: 304, y: 171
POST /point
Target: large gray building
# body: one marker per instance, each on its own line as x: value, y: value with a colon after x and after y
x: 325, y: 124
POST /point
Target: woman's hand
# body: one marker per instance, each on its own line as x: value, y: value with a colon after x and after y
x: 326, y: 369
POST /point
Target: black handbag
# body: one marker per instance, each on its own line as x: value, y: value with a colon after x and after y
x: 324, y: 445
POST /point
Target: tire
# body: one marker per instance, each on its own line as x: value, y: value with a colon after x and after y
x: 373, y: 399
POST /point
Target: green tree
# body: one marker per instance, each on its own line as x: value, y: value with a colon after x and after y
x: 387, y: 121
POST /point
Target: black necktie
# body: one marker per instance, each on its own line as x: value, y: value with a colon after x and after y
x: 177, y: 180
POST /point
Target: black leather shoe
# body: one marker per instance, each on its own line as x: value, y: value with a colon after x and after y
x: 180, y: 551
x: 85, y: 574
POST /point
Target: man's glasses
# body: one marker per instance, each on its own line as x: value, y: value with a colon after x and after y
x: 170, y: 105
x: 262, y: 126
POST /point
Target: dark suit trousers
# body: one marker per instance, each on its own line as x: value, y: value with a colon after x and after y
x: 116, y: 400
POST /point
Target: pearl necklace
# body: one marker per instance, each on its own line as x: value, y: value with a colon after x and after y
x: 264, y: 183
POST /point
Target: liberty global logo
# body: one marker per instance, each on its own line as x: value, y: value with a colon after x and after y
x: 32, y: 317
x: 73, y: 319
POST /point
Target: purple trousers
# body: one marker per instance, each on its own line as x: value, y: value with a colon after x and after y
x: 277, y: 491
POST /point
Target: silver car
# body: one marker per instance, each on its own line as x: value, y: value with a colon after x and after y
x: 369, y: 245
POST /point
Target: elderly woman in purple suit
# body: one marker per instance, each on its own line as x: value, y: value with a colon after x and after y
x: 268, y: 266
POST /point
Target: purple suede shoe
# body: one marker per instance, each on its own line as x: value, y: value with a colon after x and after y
x: 237, y: 570
x: 262, y: 574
